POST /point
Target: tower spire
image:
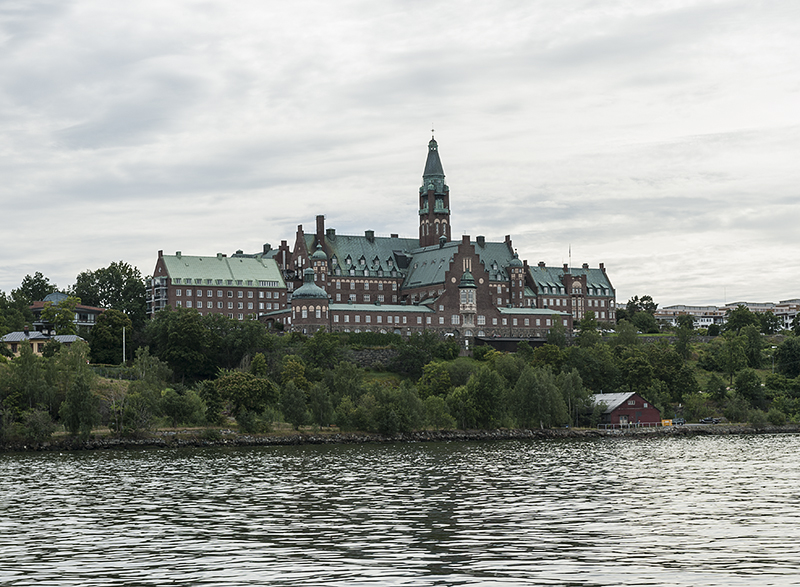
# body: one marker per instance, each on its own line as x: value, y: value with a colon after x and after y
x: 434, y: 199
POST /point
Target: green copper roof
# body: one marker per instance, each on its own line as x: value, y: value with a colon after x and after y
x: 309, y: 289
x: 433, y: 165
x: 379, y: 253
x: 235, y: 269
x: 389, y: 308
x: 597, y: 282
x: 467, y: 280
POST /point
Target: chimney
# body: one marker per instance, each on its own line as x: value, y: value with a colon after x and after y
x: 465, y: 239
x: 178, y: 254
x: 330, y: 232
x: 370, y: 234
x: 321, y: 230
x: 267, y: 248
x: 541, y: 264
x: 160, y: 253
x: 566, y: 268
x: 481, y: 241
x: 585, y: 265
x: 602, y: 267
x: 393, y: 236
x: 508, y: 243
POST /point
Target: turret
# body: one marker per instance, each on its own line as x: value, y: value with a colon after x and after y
x: 434, y: 200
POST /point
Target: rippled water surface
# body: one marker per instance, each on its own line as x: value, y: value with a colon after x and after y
x: 665, y: 511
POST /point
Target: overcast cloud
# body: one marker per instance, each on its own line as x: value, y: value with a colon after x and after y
x: 660, y: 137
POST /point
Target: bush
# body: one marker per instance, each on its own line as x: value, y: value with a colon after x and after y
x: 479, y: 353
x: 37, y: 425
x: 757, y: 419
x: 776, y: 417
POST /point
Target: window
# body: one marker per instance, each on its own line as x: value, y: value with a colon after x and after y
x: 380, y: 286
x: 366, y: 298
x: 240, y: 294
x: 352, y: 285
x: 380, y: 298
x: 176, y: 281
x: 210, y: 293
x: 455, y: 319
x: 240, y: 305
x: 219, y: 305
x: 505, y: 321
x: 260, y: 305
x: 514, y: 321
x: 347, y: 317
x: 209, y: 305
x: 199, y: 293
x: 441, y: 319
x: 358, y: 317
x: 304, y: 312
x: 219, y: 293
x: 538, y: 322
x: 229, y: 282
x: 230, y: 306
x: 369, y: 319
x: 230, y: 294
x: 388, y: 319
x: 353, y: 297
x: 645, y: 404
x: 379, y: 319
x: 481, y: 320
x: 338, y: 297
x: 405, y: 320
x: 366, y: 285
x: 249, y: 305
x: 631, y: 402
x: 318, y: 313
x: 494, y: 321
x: 499, y: 301
x: 188, y: 303
x: 338, y: 285
x: 428, y: 320
x: 177, y: 292
x: 527, y: 322
x: 336, y: 318
x: 269, y: 306
x: 394, y: 287
x: 419, y: 319
x: 441, y: 308
x: 250, y: 294
x: 178, y: 304
x: 241, y: 316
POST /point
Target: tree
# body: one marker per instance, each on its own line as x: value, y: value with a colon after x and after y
x: 686, y: 321
x: 787, y: 357
x: 61, y: 315
x: 537, y: 400
x: 645, y: 322
x: 753, y: 346
x: 484, y: 390
x: 33, y: 289
x: 643, y: 304
x: 320, y: 404
x: 732, y: 356
x: 79, y: 411
x: 119, y: 287
x: 246, y: 392
x: 748, y: 385
x: 293, y: 405
x: 557, y: 335
x: 626, y: 334
x: 180, y: 338
x: 437, y: 415
x: 105, y: 338
x: 587, y: 330
x: 770, y: 323
x: 684, y: 336
x: 740, y: 317
x: 435, y: 380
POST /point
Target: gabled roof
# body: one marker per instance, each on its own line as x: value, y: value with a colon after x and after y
x: 611, y: 400
x: 429, y: 264
x: 24, y: 336
x: 220, y: 267
x: 384, y: 248
x: 597, y: 281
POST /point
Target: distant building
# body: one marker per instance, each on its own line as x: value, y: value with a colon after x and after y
x: 626, y: 408
x: 704, y: 316
x: 366, y: 283
x: 36, y: 339
x: 85, y: 316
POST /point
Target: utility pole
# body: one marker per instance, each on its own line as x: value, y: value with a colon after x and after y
x: 123, y: 345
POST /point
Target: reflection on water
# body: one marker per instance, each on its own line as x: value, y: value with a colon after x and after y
x: 662, y: 511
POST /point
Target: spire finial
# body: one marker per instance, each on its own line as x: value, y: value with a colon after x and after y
x: 432, y: 137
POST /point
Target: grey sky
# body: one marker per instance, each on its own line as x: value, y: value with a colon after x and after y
x: 659, y: 137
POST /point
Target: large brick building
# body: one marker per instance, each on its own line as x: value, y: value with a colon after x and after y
x: 354, y: 283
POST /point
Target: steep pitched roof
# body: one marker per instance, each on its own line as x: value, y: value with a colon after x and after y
x: 385, y: 249
x: 433, y: 165
x: 597, y: 282
x: 235, y: 268
x: 611, y: 400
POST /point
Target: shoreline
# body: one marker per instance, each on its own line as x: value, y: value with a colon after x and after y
x: 230, y: 438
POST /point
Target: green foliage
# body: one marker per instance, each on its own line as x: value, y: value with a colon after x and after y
x: 509, y: 367
x: 180, y: 338
x: 209, y: 393
x: 626, y: 334
x: 33, y: 289
x: 748, y: 385
x: 716, y: 388
x: 37, y: 425
x: 770, y: 323
x: 597, y: 368
x: 753, y: 346
x: 776, y: 417
x: 51, y: 348
x: 538, y: 401
x: 246, y: 392
x: 557, y: 334
x: 322, y: 350
x: 637, y: 373
x: 79, y: 411
x: 383, y: 409
x: 294, y: 370
x: 106, y: 336
x: 713, y: 330
x: 484, y: 390
x: 645, y: 322
x: 686, y: 321
x: 737, y: 408
x: 183, y: 407
x: 480, y: 353
x: 757, y: 419
x: 684, y: 336
x: 787, y: 357
x: 461, y: 370
x: 320, y: 405
x: 643, y: 304
x: 437, y: 414
x: 258, y: 366
x: 588, y: 335
x: 740, y: 317
x: 435, y: 380
x: 119, y: 287
x: 61, y: 316
x: 576, y: 397
x: 345, y: 379
x: 293, y: 404
x: 525, y: 352
x: 549, y: 355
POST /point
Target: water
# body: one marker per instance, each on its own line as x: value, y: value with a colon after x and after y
x: 661, y: 511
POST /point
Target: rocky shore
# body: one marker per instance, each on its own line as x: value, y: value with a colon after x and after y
x: 206, y: 438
